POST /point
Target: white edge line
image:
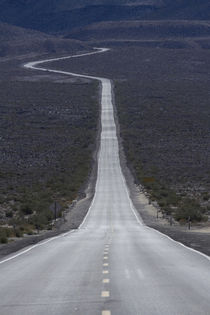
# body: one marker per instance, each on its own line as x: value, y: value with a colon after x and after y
x: 165, y: 235
x: 179, y: 243
x: 31, y: 65
x: 141, y: 222
x: 135, y: 212
x: 41, y: 243
x: 87, y: 214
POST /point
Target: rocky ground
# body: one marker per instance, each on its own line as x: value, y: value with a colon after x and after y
x: 197, y: 237
x: 48, y: 131
x: 192, y: 68
x: 162, y: 98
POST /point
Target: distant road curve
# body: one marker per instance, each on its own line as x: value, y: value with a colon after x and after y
x: 113, y: 264
x: 33, y: 65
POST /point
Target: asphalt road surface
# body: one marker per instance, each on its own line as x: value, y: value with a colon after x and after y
x: 113, y: 264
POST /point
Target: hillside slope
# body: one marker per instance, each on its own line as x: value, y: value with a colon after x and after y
x: 17, y: 41
x: 185, y: 9
x: 142, y: 30
x: 13, y: 6
x: 61, y: 16
x: 52, y: 20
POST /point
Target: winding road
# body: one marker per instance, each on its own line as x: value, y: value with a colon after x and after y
x: 113, y: 264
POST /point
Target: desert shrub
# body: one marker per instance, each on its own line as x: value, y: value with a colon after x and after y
x: 2, y: 199
x: 18, y: 233
x: 173, y: 198
x: 8, y: 232
x: 51, y: 165
x: 164, y: 196
x: 5, y: 233
x: 30, y: 232
x: 167, y: 210
x: 9, y: 214
x: 206, y: 197
x: 162, y: 203
x: 189, y: 208
x: 26, y: 209
x: 3, y: 240
x: 205, y: 218
x: 164, y: 193
x: 41, y: 220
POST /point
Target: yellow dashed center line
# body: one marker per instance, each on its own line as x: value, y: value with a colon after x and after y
x: 105, y: 294
x: 106, y: 280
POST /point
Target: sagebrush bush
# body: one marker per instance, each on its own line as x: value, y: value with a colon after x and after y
x: 3, y: 240
x: 189, y: 209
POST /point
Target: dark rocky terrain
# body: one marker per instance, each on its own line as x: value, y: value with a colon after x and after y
x: 16, y: 41
x: 48, y: 133
x: 162, y: 98
x: 159, y: 63
x: 62, y: 16
x: 181, y: 32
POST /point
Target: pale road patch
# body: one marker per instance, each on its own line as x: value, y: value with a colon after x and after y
x: 127, y: 273
x: 106, y: 313
x: 140, y: 273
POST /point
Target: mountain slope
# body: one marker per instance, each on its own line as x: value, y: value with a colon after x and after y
x: 142, y: 30
x: 17, y: 41
x: 9, y: 32
x: 10, y: 6
x: 62, y: 15
x: 52, y: 20
x: 185, y: 9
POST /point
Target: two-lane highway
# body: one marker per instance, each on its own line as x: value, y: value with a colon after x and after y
x: 113, y: 264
